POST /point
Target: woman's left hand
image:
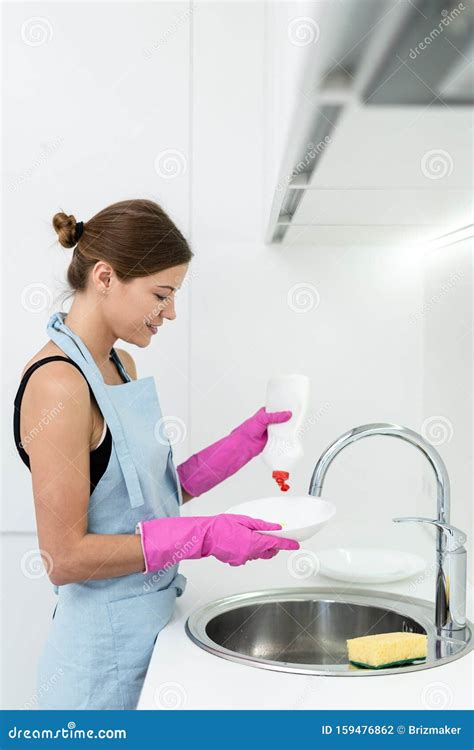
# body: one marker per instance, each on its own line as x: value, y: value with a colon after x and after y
x: 254, y: 429
x: 220, y: 460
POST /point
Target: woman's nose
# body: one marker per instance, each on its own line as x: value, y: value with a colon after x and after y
x: 168, y: 311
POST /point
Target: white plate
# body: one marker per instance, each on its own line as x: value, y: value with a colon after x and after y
x: 369, y: 564
x: 300, y: 517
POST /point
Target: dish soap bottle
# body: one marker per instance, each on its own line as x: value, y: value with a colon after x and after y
x: 284, y: 448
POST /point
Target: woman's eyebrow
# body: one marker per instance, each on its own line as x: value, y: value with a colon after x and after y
x: 165, y: 286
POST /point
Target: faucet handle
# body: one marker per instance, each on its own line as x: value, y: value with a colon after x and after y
x: 455, y: 538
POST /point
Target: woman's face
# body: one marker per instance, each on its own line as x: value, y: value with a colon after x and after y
x: 132, y: 308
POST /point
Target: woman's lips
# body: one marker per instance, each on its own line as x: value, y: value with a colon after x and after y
x: 152, y: 328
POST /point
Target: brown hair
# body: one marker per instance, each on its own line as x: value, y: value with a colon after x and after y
x: 136, y: 237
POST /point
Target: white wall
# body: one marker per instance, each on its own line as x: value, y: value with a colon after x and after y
x: 448, y: 375
x: 238, y: 320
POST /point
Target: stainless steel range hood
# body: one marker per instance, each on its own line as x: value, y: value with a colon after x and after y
x: 435, y: 39
x: 376, y: 63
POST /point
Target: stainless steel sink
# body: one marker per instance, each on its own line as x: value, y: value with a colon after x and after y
x: 304, y: 630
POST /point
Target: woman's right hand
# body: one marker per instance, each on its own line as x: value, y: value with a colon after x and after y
x: 234, y: 539
x: 230, y: 537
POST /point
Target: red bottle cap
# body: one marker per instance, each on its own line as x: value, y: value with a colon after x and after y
x: 279, y: 477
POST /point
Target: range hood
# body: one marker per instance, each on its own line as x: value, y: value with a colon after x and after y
x: 388, y: 83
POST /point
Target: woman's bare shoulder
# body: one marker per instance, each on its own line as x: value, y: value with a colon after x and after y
x: 50, y: 349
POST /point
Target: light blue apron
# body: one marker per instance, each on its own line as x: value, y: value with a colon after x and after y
x: 103, y: 631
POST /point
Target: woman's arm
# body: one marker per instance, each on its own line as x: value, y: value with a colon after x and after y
x: 95, y: 556
x: 186, y: 496
x: 60, y: 468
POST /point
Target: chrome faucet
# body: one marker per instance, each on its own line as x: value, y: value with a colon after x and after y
x: 450, y: 592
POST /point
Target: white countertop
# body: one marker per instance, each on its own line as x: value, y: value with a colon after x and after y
x: 182, y: 675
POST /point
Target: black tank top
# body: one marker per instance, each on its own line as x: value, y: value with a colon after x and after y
x: 99, y: 458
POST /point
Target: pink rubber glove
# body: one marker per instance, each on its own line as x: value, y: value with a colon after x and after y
x: 220, y: 460
x: 229, y: 537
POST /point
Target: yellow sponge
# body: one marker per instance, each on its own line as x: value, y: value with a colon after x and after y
x: 387, y: 649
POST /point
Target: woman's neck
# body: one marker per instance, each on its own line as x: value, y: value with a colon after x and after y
x: 86, y: 320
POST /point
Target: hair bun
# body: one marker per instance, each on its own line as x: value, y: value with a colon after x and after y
x: 68, y: 230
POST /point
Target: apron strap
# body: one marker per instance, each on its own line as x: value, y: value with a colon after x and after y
x: 75, y: 348
x: 119, y: 364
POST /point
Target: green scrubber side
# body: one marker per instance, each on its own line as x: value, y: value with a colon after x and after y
x: 387, y: 666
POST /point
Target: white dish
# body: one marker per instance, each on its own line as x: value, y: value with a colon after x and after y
x: 300, y: 517
x: 369, y: 564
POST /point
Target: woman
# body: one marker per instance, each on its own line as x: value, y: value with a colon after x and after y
x: 107, y: 494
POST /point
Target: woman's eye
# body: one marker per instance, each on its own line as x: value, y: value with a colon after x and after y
x: 160, y: 297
